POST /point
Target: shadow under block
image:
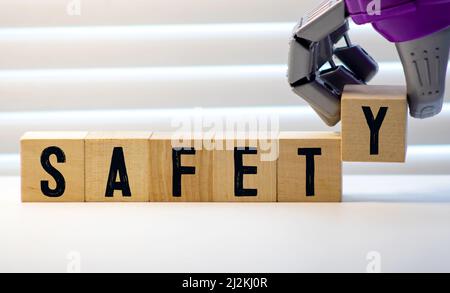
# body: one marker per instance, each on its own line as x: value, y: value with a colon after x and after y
x: 243, y: 172
x: 309, y: 167
x: 52, y: 166
x: 179, y: 172
x: 117, y: 166
x: 374, y: 123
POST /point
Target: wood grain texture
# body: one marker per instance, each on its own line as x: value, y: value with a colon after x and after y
x: 99, y: 150
x: 292, y: 167
x: 265, y: 181
x: 71, y: 167
x: 196, y: 187
x: 356, y: 134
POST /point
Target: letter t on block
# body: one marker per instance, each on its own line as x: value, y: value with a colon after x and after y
x: 374, y: 123
x: 309, y: 167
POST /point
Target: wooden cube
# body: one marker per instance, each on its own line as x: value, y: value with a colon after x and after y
x: 117, y: 166
x: 243, y: 171
x: 180, y: 170
x: 52, y: 166
x: 374, y: 123
x: 309, y: 167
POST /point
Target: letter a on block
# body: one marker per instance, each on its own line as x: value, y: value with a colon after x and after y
x: 52, y: 166
x: 374, y: 122
x: 117, y: 166
x: 309, y: 167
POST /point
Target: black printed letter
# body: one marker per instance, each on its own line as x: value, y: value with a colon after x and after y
x: 179, y: 170
x: 374, y: 126
x: 310, y: 168
x: 59, y: 178
x: 240, y: 170
x: 117, y: 166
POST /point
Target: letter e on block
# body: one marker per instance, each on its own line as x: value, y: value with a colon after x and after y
x: 241, y: 174
x: 309, y: 167
x: 374, y: 123
x: 52, y: 166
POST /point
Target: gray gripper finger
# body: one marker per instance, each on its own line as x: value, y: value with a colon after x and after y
x: 338, y: 77
x: 324, y: 52
x: 323, y: 98
x: 321, y: 22
x: 425, y: 65
x: 337, y: 35
x: 358, y: 61
x: 311, y: 47
x: 332, y: 80
x: 300, y: 61
x: 330, y: 121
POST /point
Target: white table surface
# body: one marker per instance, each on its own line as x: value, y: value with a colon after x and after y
x: 406, y: 219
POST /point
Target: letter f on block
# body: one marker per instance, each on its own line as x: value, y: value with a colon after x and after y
x: 178, y: 170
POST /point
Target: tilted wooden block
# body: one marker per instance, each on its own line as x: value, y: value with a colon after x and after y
x: 117, y: 166
x: 244, y: 172
x: 179, y: 171
x: 374, y: 123
x: 309, y: 167
x: 52, y: 166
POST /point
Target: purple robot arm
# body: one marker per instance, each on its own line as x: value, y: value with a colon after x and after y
x: 419, y: 28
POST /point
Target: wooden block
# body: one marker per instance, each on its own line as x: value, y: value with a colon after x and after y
x: 241, y: 174
x: 117, y: 166
x: 52, y: 166
x: 374, y: 123
x: 309, y: 167
x: 179, y: 171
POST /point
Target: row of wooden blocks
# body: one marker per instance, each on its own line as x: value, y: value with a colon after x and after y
x: 145, y: 166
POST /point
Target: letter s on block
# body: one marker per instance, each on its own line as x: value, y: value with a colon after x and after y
x: 57, y: 176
